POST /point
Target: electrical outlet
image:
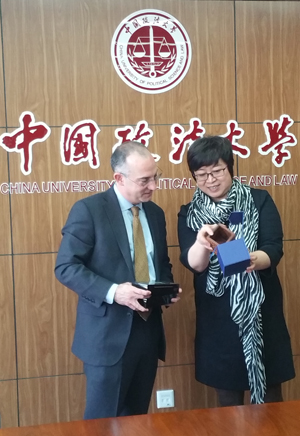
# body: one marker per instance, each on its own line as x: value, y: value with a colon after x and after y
x: 165, y: 398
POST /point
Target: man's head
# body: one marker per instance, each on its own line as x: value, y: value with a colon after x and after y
x: 135, y: 171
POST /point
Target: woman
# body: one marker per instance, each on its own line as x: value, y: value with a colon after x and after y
x: 241, y: 340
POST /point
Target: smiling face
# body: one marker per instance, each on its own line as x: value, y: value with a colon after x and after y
x: 217, y: 185
x: 137, y: 181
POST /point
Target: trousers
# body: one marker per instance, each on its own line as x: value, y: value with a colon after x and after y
x: 126, y: 387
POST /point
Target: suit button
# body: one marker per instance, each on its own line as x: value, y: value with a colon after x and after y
x: 129, y: 313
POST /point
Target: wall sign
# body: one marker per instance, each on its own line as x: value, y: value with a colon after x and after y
x: 78, y: 145
x: 151, y: 51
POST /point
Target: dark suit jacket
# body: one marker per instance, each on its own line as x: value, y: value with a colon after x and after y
x: 94, y: 254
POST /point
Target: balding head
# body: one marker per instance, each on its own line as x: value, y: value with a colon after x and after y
x: 119, y: 158
x: 135, y: 172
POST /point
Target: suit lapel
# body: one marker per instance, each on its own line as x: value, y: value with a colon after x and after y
x: 115, y: 217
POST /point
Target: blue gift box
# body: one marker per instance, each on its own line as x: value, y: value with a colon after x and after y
x: 233, y: 257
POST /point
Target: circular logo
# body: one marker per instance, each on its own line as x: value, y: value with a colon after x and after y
x: 151, y: 51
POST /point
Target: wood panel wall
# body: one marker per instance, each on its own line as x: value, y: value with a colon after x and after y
x: 55, y: 62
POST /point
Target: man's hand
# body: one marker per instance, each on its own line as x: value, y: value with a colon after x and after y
x: 174, y: 300
x: 128, y: 295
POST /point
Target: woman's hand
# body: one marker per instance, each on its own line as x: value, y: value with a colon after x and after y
x: 206, y: 230
x: 258, y: 260
x: 199, y: 253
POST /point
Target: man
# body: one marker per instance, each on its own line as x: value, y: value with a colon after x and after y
x: 120, y: 350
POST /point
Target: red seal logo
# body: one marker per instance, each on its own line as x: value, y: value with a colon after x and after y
x: 151, y: 51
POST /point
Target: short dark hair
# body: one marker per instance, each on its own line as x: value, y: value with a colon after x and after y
x: 119, y: 156
x: 207, y: 151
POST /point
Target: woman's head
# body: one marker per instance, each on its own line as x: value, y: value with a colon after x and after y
x: 208, y: 151
x: 210, y: 160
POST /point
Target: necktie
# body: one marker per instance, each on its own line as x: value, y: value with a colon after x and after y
x: 141, y: 267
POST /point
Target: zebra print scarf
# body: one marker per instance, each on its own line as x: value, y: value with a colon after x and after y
x: 246, y: 291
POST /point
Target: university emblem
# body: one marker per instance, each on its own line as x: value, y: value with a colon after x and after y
x: 151, y: 51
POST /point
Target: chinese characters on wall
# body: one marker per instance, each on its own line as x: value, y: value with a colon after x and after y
x: 78, y: 143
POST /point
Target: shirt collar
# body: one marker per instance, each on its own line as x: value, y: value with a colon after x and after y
x: 124, y: 204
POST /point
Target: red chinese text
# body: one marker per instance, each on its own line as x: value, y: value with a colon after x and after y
x: 21, y: 140
x: 141, y: 133
x: 181, y: 140
x: 278, y: 139
x: 79, y: 143
x: 234, y: 132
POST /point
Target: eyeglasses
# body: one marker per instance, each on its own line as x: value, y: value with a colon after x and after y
x: 216, y: 174
x: 144, y: 181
